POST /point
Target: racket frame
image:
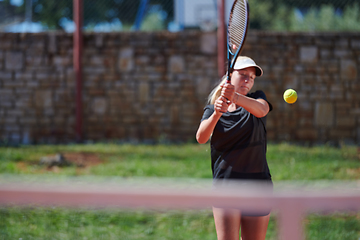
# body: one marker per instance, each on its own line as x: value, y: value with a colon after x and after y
x: 230, y: 56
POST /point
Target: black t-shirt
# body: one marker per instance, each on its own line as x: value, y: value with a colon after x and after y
x: 238, y: 144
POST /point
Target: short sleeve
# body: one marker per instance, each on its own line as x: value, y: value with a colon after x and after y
x: 208, y: 111
x: 260, y: 94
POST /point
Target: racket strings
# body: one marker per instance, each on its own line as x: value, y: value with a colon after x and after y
x: 237, y: 25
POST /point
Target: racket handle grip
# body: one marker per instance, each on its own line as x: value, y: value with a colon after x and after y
x: 228, y: 79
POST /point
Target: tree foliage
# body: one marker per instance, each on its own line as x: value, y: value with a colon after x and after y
x: 50, y: 13
x: 341, y: 4
x: 287, y: 17
x: 278, y: 15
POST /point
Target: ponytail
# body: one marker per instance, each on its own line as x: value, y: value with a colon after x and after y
x: 216, y: 92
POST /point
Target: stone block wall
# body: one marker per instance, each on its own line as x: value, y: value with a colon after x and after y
x: 324, y: 68
x: 151, y: 86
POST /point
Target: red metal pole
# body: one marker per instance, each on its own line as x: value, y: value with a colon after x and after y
x: 77, y: 53
x: 221, y: 33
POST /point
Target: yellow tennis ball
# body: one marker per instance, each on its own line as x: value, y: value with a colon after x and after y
x: 290, y: 96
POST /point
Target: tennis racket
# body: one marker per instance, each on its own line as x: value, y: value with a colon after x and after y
x: 237, y: 29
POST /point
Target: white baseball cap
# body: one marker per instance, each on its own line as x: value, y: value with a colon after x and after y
x: 245, y: 62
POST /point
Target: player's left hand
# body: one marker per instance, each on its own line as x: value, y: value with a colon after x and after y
x: 228, y: 91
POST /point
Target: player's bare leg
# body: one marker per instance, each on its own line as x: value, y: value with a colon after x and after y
x: 227, y: 223
x: 254, y: 228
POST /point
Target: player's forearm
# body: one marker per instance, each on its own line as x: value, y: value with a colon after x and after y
x: 206, y: 128
x: 257, y: 107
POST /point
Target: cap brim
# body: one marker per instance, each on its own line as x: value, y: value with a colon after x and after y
x: 258, y: 70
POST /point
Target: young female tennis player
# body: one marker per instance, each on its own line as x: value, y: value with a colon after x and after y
x: 235, y: 119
